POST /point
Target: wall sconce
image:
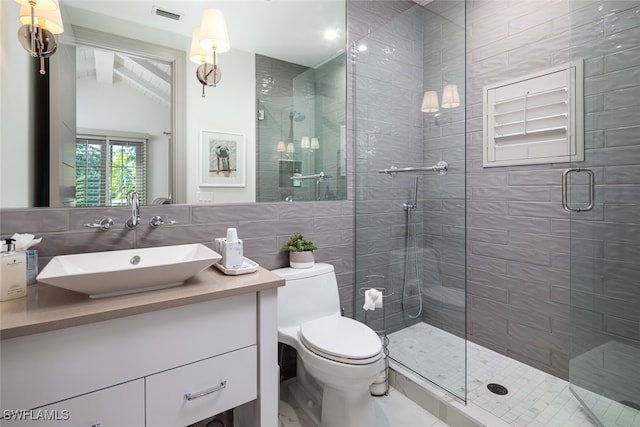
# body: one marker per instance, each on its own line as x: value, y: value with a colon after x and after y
x: 290, y: 148
x: 304, y: 142
x: 41, y: 19
x: 315, y: 144
x: 450, y: 96
x: 430, y: 102
x: 208, y: 40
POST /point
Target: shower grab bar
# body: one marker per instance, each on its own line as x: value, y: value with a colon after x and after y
x: 319, y: 176
x: 440, y: 168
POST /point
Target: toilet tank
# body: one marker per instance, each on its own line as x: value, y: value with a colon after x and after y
x: 309, y: 293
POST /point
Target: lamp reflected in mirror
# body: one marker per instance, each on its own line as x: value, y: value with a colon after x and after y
x: 280, y: 148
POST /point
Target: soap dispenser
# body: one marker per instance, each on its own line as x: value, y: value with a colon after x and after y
x: 13, y: 273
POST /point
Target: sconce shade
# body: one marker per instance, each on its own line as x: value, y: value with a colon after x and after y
x: 430, y: 102
x: 213, y: 31
x: 450, y: 97
x: 291, y: 148
x: 48, y: 19
x: 315, y: 144
x: 40, y: 4
x: 280, y: 148
x: 304, y: 142
x: 197, y: 54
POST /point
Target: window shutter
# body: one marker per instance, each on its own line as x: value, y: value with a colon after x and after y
x: 108, y: 167
x: 535, y: 119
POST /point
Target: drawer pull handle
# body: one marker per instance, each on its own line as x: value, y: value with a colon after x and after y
x: 194, y: 396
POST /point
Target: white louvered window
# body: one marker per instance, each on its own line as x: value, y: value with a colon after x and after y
x: 535, y: 119
x: 109, y: 167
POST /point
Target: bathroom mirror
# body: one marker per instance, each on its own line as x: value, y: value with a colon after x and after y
x: 284, y: 81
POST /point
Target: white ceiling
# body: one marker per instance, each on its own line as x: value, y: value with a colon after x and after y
x: 291, y: 30
x: 150, y: 78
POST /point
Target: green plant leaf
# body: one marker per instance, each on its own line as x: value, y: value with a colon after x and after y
x: 297, y: 243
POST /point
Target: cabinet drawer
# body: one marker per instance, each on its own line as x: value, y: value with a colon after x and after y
x: 214, y: 385
x: 121, y: 405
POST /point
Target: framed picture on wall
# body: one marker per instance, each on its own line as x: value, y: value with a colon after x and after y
x: 222, y: 159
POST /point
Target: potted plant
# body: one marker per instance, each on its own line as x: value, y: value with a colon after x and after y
x: 300, y: 251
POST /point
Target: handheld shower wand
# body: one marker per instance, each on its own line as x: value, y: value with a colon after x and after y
x: 410, y: 243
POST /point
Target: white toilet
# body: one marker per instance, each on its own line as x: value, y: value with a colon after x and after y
x: 338, y: 357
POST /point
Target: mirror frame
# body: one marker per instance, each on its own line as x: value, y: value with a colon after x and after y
x: 177, y: 153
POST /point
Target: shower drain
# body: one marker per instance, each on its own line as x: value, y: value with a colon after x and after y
x: 497, y: 389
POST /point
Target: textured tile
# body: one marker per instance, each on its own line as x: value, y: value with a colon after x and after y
x: 34, y: 221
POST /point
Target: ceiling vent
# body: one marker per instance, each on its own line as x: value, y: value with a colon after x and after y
x: 166, y: 13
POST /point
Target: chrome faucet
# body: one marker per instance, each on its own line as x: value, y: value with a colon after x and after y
x: 134, y: 202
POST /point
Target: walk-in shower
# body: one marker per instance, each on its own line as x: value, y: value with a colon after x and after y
x: 501, y: 264
x: 410, y: 187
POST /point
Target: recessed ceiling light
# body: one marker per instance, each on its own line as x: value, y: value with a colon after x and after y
x: 362, y: 47
x: 331, y: 34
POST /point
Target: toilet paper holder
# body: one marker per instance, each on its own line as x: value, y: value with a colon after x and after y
x: 379, y: 388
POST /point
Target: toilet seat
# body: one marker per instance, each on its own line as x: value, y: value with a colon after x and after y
x: 341, y: 339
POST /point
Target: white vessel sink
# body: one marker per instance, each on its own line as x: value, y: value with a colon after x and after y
x: 104, y: 274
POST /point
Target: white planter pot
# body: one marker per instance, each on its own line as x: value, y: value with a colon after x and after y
x: 303, y: 259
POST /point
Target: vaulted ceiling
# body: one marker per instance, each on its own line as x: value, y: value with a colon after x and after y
x: 150, y: 78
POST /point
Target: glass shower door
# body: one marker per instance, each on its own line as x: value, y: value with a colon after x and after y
x: 604, y: 368
x: 409, y: 114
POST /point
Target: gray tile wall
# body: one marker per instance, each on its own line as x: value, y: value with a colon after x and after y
x: 418, y: 49
x: 517, y: 244
x: 518, y: 234
x: 443, y: 136
x: 387, y: 94
x: 605, y: 275
x: 264, y: 227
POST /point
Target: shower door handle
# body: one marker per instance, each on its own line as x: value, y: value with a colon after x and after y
x: 565, y: 190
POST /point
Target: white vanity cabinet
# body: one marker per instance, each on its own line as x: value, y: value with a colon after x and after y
x: 121, y: 405
x: 170, y: 367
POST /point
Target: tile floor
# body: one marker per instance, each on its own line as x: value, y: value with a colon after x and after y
x: 396, y: 408
x: 535, y: 399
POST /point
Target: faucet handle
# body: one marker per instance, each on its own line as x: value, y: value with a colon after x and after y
x: 157, y: 221
x: 104, y: 224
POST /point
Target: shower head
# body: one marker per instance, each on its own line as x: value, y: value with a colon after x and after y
x: 297, y: 116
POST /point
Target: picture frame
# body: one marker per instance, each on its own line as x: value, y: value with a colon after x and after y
x: 222, y: 159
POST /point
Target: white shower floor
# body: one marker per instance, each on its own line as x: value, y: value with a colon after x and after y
x: 535, y: 398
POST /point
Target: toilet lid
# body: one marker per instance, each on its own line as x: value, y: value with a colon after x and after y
x: 342, y: 339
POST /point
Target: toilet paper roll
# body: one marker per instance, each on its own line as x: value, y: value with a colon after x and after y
x: 372, y: 299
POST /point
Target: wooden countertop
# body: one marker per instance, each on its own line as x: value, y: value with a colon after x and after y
x: 47, y: 308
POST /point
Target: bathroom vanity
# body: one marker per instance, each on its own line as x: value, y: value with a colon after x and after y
x: 168, y: 358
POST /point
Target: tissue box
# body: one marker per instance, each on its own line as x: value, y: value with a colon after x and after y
x: 231, y: 253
